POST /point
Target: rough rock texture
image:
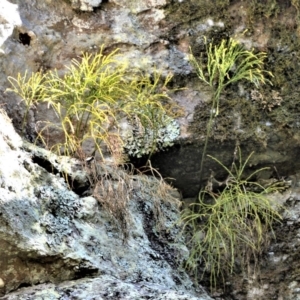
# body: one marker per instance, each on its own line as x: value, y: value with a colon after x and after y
x: 278, y: 274
x: 85, y: 5
x: 50, y: 234
x: 104, y: 288
x: 41, y: 35
x: 157, y: 34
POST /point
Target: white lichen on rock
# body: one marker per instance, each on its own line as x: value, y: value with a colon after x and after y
x: 145, y: 140
x: 9, y: 18
x: 85, y: 5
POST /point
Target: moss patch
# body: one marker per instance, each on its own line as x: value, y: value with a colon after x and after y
x: 272, y: 26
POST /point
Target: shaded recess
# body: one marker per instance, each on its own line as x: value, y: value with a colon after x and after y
x: 24, y: 39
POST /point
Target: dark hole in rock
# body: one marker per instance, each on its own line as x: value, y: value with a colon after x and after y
x: 24, y: 38
x: 140, y: 164
x: 24, y: 284
x: 77, y: 187
x: 44, y: 164
x: 86, y: 272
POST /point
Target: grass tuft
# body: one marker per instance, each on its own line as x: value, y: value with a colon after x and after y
x: 229, y: 227
x: 92, y: 99
x: 225, y: 64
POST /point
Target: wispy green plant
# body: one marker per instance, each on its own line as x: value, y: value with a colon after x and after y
x: 30, y: 88
x: 92, y: 97
x: 230, y: 226
x: 225, y: 64
x: 229, y: 63
x: 152, y: 107
x: 86, y: 99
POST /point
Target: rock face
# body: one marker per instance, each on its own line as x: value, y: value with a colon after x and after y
x: 106, y: 287
x: 42, y: 35
x: 156, y: 34
x: 277, y: 276
x: 85, y: 5
x: 50, y: 234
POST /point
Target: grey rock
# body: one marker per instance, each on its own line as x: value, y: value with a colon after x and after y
x: 105, y: 287
x: 67, y: 235
x: 50, y: 234
x: 85, y: 5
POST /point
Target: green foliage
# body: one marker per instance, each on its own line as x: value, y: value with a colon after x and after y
x: 92, y: 98
x: 229, y: 227
x: 223, y: 65
x: 29, y: 88
x: 229, y: 63
x: 150, y: 107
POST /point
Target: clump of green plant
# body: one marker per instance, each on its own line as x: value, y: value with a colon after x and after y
x: 29, y: 88
x: 100, y: 100
x: 225, y: 64
x: 230, y: 226
x: 229, y: 63
x: 92, y: 98
x: 152, y: 114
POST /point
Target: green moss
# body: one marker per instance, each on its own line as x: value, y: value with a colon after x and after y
x: 284, y: 48
x: 186, y: 16
x: 195, y: 9
x: 266, y: 8
x: 238, y: 119
x: 279, y: 22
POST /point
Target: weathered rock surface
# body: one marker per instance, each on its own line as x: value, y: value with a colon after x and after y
x: 104, y: 288
x: 41, y: 35
x: 277, y: 276
x: 85, y: 5
x: 50, y: 234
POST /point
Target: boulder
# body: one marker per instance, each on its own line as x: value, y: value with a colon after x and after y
x: 48, y: 233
